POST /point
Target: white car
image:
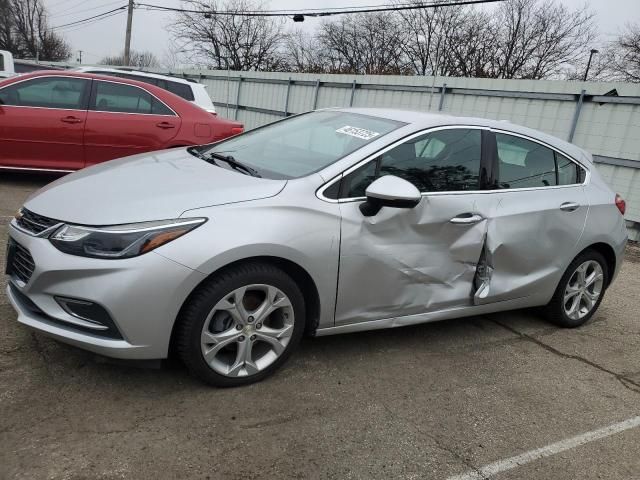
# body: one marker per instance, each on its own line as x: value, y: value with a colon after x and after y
x: 188, y: 89
x: 6, y: 64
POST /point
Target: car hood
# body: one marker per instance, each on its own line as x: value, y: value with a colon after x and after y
x: 151, y: 186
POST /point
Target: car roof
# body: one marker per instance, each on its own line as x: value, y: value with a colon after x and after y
x: 137, y: 72
x: 72, y: 73
x: 423, y: 120
x: 163, y: 94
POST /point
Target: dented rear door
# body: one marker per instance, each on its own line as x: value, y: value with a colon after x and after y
x: 536, y: 223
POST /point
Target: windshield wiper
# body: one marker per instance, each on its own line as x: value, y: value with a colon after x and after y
x: 235, y: 164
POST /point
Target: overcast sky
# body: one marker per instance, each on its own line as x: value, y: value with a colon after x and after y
x: 106, y: 37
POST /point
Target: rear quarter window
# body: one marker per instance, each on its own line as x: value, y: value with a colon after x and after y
x: 180, y: 89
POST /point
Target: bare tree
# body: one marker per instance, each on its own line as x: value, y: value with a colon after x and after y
x: 24, y: 31
x: 428, y: 36
x: 471, y: 49
x: 136, y: 59
x: 302, y: 53
x: 538, y: 39
x: 518, y: 39
x: 624, y: 55
x: 363, y: 43
x: 7, y: 34
x: 173, y: 57
x: 232, y: 41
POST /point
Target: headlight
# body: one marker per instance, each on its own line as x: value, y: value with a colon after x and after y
x: 120, y: 241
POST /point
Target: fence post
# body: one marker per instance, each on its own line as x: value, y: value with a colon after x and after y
x: 315, y: 96
x: 353, y: 92
x: 443, y: 92
x: 235, y: 115
x: 576, y: 115
x: 286, y: 102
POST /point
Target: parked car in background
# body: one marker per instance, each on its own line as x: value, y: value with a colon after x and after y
x: 188, y: 89
x: 65, y: 121
x: 329, y: 222
x: 29, y: 66
x: 7, y: 68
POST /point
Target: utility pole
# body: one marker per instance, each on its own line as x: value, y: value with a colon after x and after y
x: 80, y: 57
x: 127, y: 40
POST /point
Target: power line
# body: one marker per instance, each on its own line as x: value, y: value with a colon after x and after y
x: 315, y: 12
x: 122, y: 8
x: 68, y: 8
x: 89, y: 23
x: 59, y: 3
x: 63, y: 14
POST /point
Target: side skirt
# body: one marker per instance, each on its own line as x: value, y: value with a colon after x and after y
x: 458, y: 312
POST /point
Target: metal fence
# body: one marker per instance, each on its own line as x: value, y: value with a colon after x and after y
x: 602, y: 117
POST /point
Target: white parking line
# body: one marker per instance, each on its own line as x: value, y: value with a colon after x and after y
x: 561, y: 446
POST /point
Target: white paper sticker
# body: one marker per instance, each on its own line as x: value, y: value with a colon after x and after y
x: 361, y: 133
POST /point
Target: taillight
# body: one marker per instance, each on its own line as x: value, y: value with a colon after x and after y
x: 237, y: 130
x: 621, y: 204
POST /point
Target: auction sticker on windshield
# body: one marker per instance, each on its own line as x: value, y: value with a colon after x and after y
x: 361, y: 133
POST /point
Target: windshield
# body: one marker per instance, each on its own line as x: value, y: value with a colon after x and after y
x: 303, y: 144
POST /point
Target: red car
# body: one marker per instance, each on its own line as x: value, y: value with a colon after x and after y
x: 64, y: 121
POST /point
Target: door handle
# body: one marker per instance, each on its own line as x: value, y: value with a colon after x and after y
x: 569, y: 206
x: 165, y: 125
x: 467, y: 219
x: 71, y: 119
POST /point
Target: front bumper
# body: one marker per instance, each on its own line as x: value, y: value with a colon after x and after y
x: 142, y: 295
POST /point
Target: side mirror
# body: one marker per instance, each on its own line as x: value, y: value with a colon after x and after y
x: 389, y: 191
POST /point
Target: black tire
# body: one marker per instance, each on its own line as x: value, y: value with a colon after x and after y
x: 555, y: 309
x: 203, y: 300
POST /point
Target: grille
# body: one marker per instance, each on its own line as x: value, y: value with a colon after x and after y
x: 20, y: 262
x: 34, y: 223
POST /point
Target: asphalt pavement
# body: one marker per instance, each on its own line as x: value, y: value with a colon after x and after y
x: 504, y: 396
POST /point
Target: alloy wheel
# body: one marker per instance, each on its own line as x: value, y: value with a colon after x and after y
x: 583, y: 290
x: 247, y: 330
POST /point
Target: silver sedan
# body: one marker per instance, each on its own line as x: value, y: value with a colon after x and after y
x: 333, y: 221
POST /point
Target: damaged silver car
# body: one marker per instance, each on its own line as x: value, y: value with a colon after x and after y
x: 329, y: 222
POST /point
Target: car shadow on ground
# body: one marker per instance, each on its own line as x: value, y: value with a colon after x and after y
x: 31, y: 179
x: 328, y: 355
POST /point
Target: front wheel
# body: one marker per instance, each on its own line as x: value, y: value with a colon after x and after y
x: 580, y: 290
x: 240, y: 326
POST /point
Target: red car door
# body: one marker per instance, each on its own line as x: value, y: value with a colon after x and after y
x: 42, y: 123
x: 124, y: 120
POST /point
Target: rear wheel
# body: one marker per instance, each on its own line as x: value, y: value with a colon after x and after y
x: 240, y: 326
x: 580, y: 290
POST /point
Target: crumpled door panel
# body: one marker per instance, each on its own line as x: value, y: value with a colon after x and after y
x: 529, y: 242
x: 404, y: 262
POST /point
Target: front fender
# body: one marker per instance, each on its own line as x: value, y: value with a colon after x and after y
x: 307, y: 235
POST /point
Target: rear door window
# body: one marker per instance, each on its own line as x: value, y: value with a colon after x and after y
x: 48, y: 92
x: 523, y: 163
x: 121, y: 98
